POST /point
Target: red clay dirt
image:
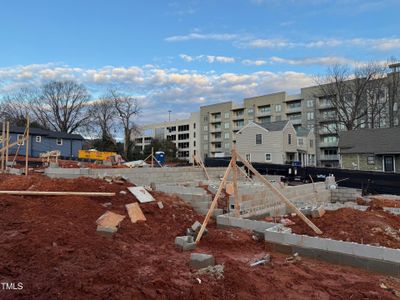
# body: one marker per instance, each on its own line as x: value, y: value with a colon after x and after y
x: 51, y: 246
x: 375, y: 227
x: 378, y: 202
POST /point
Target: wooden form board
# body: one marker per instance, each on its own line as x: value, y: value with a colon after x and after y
x: 110, y: 219
x: 134, y: 212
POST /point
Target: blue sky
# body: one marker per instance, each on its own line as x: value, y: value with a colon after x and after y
x: 179, y: 55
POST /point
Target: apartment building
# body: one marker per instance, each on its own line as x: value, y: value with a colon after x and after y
x: 184, y: 133
x: 310, y: 109
x: 220, y: 122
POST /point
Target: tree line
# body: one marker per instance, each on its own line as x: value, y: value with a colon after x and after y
x: 67, y: 106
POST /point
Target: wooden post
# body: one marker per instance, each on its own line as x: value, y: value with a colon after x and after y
x: 27, y: 146
x: 235, y: 178
x: 280, y: 195
x: 152, y: 157
x: 7, y: 142
x: 3, y: 140
x: 214, y: 202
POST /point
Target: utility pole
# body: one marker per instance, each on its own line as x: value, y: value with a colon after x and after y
x: 393, y: 93
x: 169, y: 115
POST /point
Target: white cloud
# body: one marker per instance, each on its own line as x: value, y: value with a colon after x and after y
x: 208, y: 58
x: 323, y: 60
x: 249, y: 62
x: 202, y: 36
x: 159, y: 89
x: 248, y: 41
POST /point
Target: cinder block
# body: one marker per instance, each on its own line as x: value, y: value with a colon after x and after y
x: 185, y: 243
x: 200, y: 260
x: 107, y: 231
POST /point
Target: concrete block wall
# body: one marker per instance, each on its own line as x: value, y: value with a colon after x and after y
x: 345, y: 194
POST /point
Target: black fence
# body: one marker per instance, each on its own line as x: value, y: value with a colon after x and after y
x: 369, y: 182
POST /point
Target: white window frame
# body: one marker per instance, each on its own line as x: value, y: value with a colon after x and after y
x: 20, y: 139
x: 226, y: 115
x: 276, y: 107
x: 59, y: 142
x: 226, y: 136
x: 310, y: 103
x: 270, y: 157
x: 38, y: 139
x: 248, y: 155
x: 226, y: 125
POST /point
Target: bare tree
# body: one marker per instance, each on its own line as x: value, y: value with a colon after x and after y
x: 16, y: 106
x: 103, y: 114
x: 61, y: 105
x: 127, y: 109
x: 355, y: 94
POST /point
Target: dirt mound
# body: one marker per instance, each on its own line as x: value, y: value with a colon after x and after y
x: 347, y: 224
x: 51, y: 246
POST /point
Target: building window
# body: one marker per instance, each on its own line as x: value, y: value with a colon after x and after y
x: 20, y: 139
x: 59, y: 142
x: 227, y: 145
x: 183, y: 128
x: 194, y: 125
x: 268, y: 157
x: 205, y: 128
x: 248, y: 156
x: 371, y: 160
x: 226, y: 135
x: 311, y: 143
x: 226, y: 125
x: 250, y: 111
x: 226, y: 115
x: 310, y: 103
x: 278, y: 107
x: 205, y: 118
x: 194, y: 143
x: 194, y: 134
x: 278, y: 118
x: 258, y: 139
x: 300, y: 140
x: 38, y: 139
x: 205, y: 137
x: 289, y: 139
x: 310, y: 115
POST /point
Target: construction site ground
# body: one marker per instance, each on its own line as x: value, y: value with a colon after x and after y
x: 50, y: 244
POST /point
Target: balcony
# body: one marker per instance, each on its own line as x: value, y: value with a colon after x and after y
x: 215, y: 129
x: 329, y: 157
x: 216, y: 149
x: 295, y: 121
x: 325, y: 105
x: 293, y: 109
x: 238, y: 116
x: 215, y: 139
x: 263, y: 113
x: 215, y: 119
x: 328, y: 144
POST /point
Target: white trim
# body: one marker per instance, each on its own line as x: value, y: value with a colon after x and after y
x: 265, y: 157
x: 252, y: 124
x: 61, y: 141
x: 245, y: 156
x: 38, y: 139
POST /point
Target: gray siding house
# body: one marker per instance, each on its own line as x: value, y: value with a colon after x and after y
x: 41, y: 140
x: 370, y: 149
x: 275, y: 142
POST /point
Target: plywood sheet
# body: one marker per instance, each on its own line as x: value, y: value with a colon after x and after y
x: 135, y: 213
x: 110, y: 219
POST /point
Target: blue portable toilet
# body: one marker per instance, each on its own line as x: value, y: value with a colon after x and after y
x: 160, y: 157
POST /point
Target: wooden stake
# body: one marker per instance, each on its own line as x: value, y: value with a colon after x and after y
x: 3, y: 140
x: 201, y: 164
x: 214, y: 202
x: 27, y: 145
x: 7, y: 142
x: 152, y: 157
x: 280, y: 195
x: 235, y: 178
x: 40, y: 193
